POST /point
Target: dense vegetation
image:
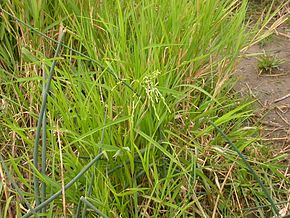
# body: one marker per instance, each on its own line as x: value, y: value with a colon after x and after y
x: 134, y: 89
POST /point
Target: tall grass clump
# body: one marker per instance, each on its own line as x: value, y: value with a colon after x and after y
x: 127, y: 114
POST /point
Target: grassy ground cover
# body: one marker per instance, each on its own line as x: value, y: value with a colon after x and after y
x: 135, y: 86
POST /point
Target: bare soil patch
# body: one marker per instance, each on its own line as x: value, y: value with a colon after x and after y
x: 272, y: 89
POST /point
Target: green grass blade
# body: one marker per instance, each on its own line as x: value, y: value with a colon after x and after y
x: 68, y: 185
x: 267, y: 194
x: 18, y: 190
x: 71, y: 49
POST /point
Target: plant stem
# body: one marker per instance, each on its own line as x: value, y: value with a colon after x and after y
x: 57, y: 194
x: 83, y: 199
x: 40, y: 119
x: 43, y: 149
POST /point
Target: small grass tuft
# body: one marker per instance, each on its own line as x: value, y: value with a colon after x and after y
x: 268, y: 64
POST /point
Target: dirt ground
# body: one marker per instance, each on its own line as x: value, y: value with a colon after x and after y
x: 271, y: 90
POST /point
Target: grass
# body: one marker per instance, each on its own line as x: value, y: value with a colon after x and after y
x: 128, y: 109
x: 268, y: 64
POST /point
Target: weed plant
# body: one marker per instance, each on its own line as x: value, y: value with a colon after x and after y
x: 140, y: 110
x: 269, y: 63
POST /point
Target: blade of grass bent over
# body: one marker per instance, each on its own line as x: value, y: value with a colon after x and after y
x: 40, y: 119
x: 267, y: 194
x: 57, y: 194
